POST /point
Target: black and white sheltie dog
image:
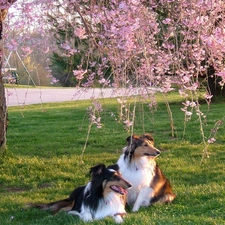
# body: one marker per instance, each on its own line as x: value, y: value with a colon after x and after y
x: 137, y: 165
x: 104, y: 195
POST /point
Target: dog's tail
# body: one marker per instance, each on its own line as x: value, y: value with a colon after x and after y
x: 62, y: 205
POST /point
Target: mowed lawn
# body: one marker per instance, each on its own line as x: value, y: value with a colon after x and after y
x: 44, y: 160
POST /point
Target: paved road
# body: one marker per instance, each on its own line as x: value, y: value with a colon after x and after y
x: 26, y: 96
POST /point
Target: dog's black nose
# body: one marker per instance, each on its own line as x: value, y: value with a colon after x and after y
x: 129, y: 185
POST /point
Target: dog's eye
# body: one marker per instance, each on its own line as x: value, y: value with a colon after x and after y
x: 146, y: 145
x: 115, y: 176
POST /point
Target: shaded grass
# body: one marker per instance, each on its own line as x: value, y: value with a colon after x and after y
x: 44, y: 161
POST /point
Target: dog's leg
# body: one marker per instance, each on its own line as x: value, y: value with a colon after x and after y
x: 86, y: 216
x: 61, y: 205
x: 118, y: 217
x: 143, y: 199
x: 73, y: 212
x: 167, y: 198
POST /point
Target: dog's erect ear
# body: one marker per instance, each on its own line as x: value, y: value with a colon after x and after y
x: 114, y: 167
x: 131, y: 139
x: 148, y: 136
x: 97, y: 170
x: 132, y: 143
x: 128, y: 139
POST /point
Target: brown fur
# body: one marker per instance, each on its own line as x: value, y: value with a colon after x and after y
x: 55, y: 207
x: 139, y: 159
x: 119, y: 181
x: 162, y: 187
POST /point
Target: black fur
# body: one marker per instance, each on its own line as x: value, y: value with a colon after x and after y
x: 91, y: 198
x: 78, y: 197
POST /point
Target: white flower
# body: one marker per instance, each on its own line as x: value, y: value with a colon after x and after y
x: 188, y: 113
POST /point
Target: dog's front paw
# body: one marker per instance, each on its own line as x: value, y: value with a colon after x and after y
x: 135, y: 208
x: 87, y: 217
x: 118, y: 219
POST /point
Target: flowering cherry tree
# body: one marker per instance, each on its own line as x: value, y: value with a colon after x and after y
x: 137, y: 44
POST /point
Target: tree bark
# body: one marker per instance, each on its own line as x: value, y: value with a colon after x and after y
x: 3, y: 108
x: 3, y: 116
x: 214, y: 87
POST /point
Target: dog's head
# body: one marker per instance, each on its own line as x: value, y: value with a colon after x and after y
x: 110, y: 179
x: 140, y: 146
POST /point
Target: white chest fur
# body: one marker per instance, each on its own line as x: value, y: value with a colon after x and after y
x: 140, y: 175
x: 112, y: 205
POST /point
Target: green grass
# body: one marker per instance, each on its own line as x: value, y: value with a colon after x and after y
x: 43, y: 162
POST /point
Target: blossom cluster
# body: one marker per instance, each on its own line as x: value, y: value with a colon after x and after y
x: 94, y: 113
x: 167, y: 44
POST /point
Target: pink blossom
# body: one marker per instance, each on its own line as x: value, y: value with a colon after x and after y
x: 46, y: 50
x: 27, y: 50
x: 66, y: 46
x: 9, y: 93
x: 79, y: 74
x: 188, y: 113
x: 183, y: 94
x: 222, y: 73
x: 81, y: 33
x: 208, y: 96
x: 131, y: 42
x: 167, y: 21
x: 104, y: 81
x: 128, y: 123
x: 98, y: 106
x: 54, y: 80
x: 211, y: 140
x: 121, y: 101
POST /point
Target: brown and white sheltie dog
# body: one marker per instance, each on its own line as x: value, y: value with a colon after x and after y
x: 104, y: 195
x: 137, y: 165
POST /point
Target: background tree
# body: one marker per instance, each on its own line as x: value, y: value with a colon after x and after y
x: 69, y: 55
x: 75, y: 50
x: 157, y: 42
x: 136, y: 44
x: 4, y: 5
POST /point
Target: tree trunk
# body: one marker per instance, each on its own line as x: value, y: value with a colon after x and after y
x: 3, y: 116
x: 214, y: 87
x: 3, y: 108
